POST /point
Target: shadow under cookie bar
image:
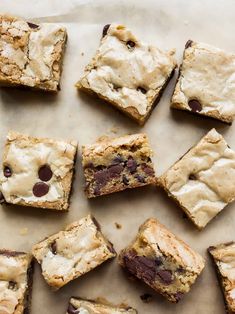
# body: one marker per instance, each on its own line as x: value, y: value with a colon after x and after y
x: 162, y: 261
x: 16, y: 276
x: 77, y: 305
x: 72, y: 252
x: 31, y: 55
x: 127, y: 73
x: 113, y: 165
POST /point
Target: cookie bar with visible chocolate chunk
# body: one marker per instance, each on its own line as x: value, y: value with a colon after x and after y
x: 78, y: 305
x: 72, y: 252
x: 16, y: 279
x: 202, y: 182
x: 31, y: 55
x: 113, y: 165
x: 162, y: 261
x: 206, y: 82
x: 127, y: 73
x: 223, y: 256
x: 37, y: 171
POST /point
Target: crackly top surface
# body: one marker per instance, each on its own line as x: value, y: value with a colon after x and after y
x: 24, y: 155
x: 13, y: 281
x: 207, y: 75
x: 119, y: 70
x: 30, y: 54
x: 203, y: 180
x: 68, y: 254
x: 92, y: 307
x: 224, y: 256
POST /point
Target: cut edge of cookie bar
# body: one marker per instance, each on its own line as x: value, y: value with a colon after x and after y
x: 49, y: 243
x: 195, y: 106
x: 11, y: 77
x: 116, y: 164
x: 152, y: 99
x: 224, y: 282
x: 66, y: 181
x: 75, y: 303
x: 24, y: 304
x: 153, y: 257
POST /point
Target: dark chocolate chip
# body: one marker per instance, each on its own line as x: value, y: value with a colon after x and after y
x: 32, y: 25
x: 45, y: 173
x: 130, y: 44
x: 131, y: 165
x: 40, y: 189
x: 97, y: 190
x: 114, y: 171
x: 178, y: 296
x: 140, y: 178
x: 101, y: 177
x: 192, y: 177
x: 72, y: 309
x: 147, y: 169
x: 125, y: 180
x: 2, y: 199
x: 195, y: 105
x: 12, y: 285
x: 7, y: 172
x: 188, y: 44
x: 117, y: 160
x: 53, y: 247
x: 165, y: 276
x: 142, y: 90
x: 146, y: 297
x: 105, y: 30
x: 158, y: 261
x: 180, y: 270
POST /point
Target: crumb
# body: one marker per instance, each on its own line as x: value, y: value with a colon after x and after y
x: 23, y: 231
x: 146, y: 297
x: 82, y: 53
x: 118, y: 226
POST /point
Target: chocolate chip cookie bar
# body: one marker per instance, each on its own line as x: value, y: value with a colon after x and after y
x: 16, y: 278
x: 77, y: 305
x: 72, y: 252
x: 113, y: 165
x: 206, y: 82
x: 202, y: 182
x: 37, y: 171
x: 223, y: 256
x: 31, y: 55
x: 127, y: 73
x: 162, y: 261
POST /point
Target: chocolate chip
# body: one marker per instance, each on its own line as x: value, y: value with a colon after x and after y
x: 117, y: 160
x: 125, y: 180
x: 97, y: 190
x: 140, y: 178
x: 111, y: 248
x: 192, y: 177
x: 114, y: 171
x: 180, y: 270
x: 2, y: 199
x: 188, y: 44
x: 12, y: 285
x: 45, y: 173
x: 40, y: 189
x: 32, y: 25
x: 53, y: 247
x: 130, y: 44
x: 165, y: 276
x: 147, y: 169
x: 178, y: 296
x: 105, y: 29
x: 131, y: 165
x: 7, y: 172
x: 96, y: 223
x: 142, y: 90
x: 146, y: 297
x: 158, y: 261
x: 101, y: 177
x: 72, y: 309
x: 195, y: 105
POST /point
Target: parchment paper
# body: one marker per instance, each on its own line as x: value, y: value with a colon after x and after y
x: 72, y: 115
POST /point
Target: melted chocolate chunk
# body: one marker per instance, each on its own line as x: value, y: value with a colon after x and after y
x: 114, y: 171
x: 7, y: 172
x: 72, y: 309
x: 165, y: 276
x: 140, y: 178
x: 105, y: 30
x: 188, y: 44
x: 12, y: 285
x: 32, y: 25
x: 53, y: 247
x: 146, y: 297
x: 40, y: 189
x: 131, y: 165
x: 142, y: 90
x: 45, y: 173
x: 147, y: 169
x: 195, y: 105
x: 101, y: 177
x: 192, y: 177
x: 130, y: 44
x: 125, y: 180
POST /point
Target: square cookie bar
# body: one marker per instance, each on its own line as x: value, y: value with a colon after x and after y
x: 31, y: 55
x: 113, y: 165
x: 77, y: 305
x: 16, y: 279
x: 223, y: 256
x: 127, y: 73
x: 202, y: 182
x: 162, y: 261
x: 206, y: 82
x: 72, y: 252
x: 37, y: 171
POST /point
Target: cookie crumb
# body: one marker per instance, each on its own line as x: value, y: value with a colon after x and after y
x: 118, y: 226
x: 23, y: 231
x: 146, y: 297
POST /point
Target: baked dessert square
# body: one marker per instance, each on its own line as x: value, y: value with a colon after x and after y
x: 78, y: 305
x: 223, y: 256
x: 162, y: 261
x: 31, y: 55
x: 129, y: 74
x: 16, y: 279
x: 206, y: 82
x: 202, y: 182
x: 72, y: 252
x: 116, y: 164
x: 37, y: 171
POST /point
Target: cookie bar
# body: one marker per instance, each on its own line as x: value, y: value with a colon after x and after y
x: 206, y: 82
x: 202, y: 182
x: 162, y: 261
x: 37, y: 171
x: 72, y: 252
x: 31, y: 55
x: 128, y: 73
x: 113, y: 165
x: 77, y: 305
x: 223, y: 256
x: 16, y: 278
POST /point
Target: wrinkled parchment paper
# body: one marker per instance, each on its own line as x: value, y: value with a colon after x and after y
x: 72, y: 115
